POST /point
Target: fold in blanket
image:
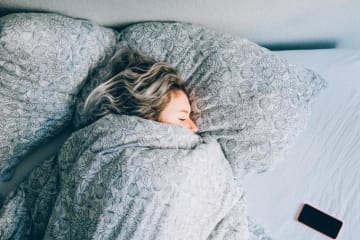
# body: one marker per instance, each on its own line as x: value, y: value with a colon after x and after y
x: 125, y: 177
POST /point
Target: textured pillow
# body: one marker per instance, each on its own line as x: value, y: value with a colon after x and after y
x: 253, y: 102
x: 44, y: 61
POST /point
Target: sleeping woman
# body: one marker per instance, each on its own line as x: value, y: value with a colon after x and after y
x: 145, y: 88
x: 140, y: 172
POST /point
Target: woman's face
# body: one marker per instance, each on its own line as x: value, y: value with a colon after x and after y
x: 177, y: 111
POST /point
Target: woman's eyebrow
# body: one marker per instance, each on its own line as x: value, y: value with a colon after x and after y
x: 184, y: 110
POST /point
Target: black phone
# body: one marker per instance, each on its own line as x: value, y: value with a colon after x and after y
x: 320, y: 221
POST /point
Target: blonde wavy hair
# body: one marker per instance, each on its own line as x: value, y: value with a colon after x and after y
x: 141, y: 87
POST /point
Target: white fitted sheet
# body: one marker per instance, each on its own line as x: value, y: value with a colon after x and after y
x: 323, y: 168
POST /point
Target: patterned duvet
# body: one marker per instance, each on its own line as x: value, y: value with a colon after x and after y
x: 124, y: 177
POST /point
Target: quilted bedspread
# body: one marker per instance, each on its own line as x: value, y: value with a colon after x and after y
x: 125, y: 177
x: 129, y: 178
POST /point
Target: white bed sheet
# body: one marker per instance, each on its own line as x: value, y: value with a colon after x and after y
x: 323, y: 168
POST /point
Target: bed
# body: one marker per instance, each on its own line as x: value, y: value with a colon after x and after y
x: 322, y: 169
x: 319, y: 164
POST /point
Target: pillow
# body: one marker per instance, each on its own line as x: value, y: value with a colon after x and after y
x: 252, y: 101
x: 44, y: 61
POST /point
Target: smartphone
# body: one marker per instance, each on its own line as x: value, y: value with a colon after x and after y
x: 320, y: 221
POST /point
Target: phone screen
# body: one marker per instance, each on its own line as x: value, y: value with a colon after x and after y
x: 320, y: 221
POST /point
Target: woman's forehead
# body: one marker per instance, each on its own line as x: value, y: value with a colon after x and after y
x: 180, y: 101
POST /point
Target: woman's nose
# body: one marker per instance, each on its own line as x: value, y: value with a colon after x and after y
x: 191, y: 125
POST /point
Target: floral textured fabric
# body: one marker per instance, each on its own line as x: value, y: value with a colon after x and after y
x: 137, y: 179
x: 117, y: 183
x: 251, y: 101
x: 26, y: 210
x: 44, y: 61
x: 140, y: 179
x: 126, y: 177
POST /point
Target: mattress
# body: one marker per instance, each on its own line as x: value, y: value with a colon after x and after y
x: 323, y: 167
